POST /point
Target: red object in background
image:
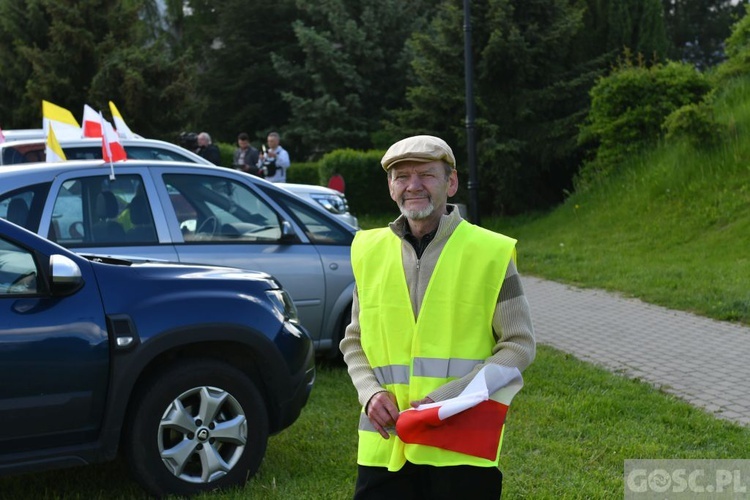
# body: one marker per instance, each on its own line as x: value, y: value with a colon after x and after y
x: 337, y: 182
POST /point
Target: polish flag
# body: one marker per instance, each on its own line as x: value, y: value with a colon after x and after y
x: 92, y: 124
x: 112, y: 149
x: 2, y: 136
x: 122, y: 128
x: 472, y: 422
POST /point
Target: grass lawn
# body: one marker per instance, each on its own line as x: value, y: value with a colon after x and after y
x: 569, y: 431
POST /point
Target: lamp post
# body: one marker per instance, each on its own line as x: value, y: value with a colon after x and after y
x: 470, y: 140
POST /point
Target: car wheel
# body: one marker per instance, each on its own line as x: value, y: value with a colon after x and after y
x: 196, y: 426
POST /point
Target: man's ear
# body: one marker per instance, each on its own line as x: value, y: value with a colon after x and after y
x: 452, y: 183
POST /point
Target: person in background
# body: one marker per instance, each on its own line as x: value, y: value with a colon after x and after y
x: 208, y: 149
x: 245, y: 156
x: 274, y: 161
x: 435, y: 300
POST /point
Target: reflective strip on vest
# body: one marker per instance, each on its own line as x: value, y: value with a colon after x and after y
x: 412, y: 357
x: 425, y: 367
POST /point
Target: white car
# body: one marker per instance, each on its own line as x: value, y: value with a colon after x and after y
x: 33, y: 150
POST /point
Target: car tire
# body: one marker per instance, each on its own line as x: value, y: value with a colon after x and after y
x: 171, y: 450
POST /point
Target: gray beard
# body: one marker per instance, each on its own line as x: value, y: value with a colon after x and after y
x: 417, y: 214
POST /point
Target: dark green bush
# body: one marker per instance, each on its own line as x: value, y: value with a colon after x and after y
x: 227, y: 153
x: 628, y: 108
x: 737, y: 50
x: 304, y: 173
x: 366, y: 181
x: 695, y: 124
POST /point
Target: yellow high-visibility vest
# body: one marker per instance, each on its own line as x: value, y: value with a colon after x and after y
x: 452, y: 334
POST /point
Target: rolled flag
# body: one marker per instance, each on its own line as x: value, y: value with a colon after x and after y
x: 112, y: 149
x: 472, y: 422
x: 122, y: 128
x: 52, y: 150
x: 66, y: 126
x: 92, y: 122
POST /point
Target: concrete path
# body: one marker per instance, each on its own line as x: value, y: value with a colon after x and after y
x: 700, y: 360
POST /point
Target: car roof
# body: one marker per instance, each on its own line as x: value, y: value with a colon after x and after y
x: 50, y: 170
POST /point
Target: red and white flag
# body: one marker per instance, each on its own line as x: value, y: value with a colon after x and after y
x: 92, y: 122
x: 472, y: 422
x: 2, y: 136
x: 112, y: 149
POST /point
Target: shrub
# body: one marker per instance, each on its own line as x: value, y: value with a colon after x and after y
x: 737, y: 51
x: 366, y: 186
x: 226, y: 151
x: 304, y: 173
x: 693, y: 123
x: 628, y: 108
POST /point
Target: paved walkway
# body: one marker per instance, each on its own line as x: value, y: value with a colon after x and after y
x: 700, y: 360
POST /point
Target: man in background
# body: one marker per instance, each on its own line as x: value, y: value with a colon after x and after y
x: 274, y: 161
x: 207, y: 149
x: 245, y: 156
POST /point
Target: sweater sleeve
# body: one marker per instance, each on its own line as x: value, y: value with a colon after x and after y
x: 513, y: 329
x: 360, y: 371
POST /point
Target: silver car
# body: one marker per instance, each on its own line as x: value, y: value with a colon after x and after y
x: 192, y: 213
x: 33, y: 150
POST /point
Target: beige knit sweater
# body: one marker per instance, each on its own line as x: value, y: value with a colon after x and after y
x: 511, y: 323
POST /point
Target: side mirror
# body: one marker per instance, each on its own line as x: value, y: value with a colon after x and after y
x: 65, y: 275
x: 287, y: 232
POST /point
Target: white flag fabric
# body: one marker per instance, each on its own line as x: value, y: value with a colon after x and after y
x: 92, y: 122
x: 122, y: 128
x: 52, y: 150
x: 66, y: 126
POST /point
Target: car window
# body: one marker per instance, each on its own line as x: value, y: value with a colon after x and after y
x: 93, y: 211
x: 24, y: 206
x: 211, y: 208
x: 18, y: 272
x: 23, y: 153
x: 133, y: 152
x: 318, y: 227
x: 154, y: 153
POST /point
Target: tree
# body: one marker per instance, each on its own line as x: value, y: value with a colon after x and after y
x: 697, y: 29
x: 89, y: 52
x: 535, y: 63
x: 350, y: 67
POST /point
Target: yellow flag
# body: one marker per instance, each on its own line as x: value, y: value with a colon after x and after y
x: 53, y: 150
x: 122, y: 128
x: 66, y: 125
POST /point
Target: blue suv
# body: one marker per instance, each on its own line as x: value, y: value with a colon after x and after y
x: 186, y: 369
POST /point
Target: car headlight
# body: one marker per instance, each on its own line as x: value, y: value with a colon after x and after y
x: 283, y: 304
x: 336, y: 204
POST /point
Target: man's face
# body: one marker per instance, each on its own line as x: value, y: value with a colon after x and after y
x: 243, y: 143
x: 421, y: 189
x: 202, y: 141
x: 273, y: 141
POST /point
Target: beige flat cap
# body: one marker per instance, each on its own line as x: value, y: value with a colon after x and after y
x: 423, y: 148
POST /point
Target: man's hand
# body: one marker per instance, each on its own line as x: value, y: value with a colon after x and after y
x: 382, y: 412
x: 422, y: 401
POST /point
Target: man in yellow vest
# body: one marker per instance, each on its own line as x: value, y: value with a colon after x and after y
x: 436, y: 300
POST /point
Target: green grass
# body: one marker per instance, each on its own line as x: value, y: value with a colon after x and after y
x: 672, y: 227
x: 569, y: 431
